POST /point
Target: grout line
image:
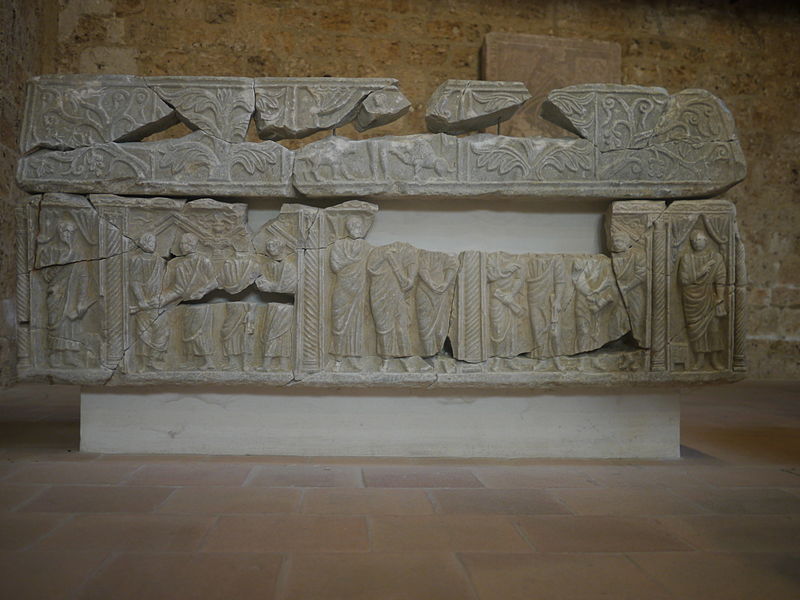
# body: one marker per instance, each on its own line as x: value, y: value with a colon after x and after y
x: 70, y: 517
x: 44, y: 489
x: 369, y: 526
x: 437, y: 508
x: 282, y: 581
x: 81, y: 589
x: 300, y: 508
x: 465, y: 574
x: 248, y: 481
x: 249, y: 477
x: 202, y: 542
x: 157, y: 508
x: 647, y: 575
x: 521, y: 532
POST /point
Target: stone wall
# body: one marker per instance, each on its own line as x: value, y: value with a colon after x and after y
x: 744, y: 52
x: 21, y: 34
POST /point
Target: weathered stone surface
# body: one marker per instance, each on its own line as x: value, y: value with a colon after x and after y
x: 380, y: 108
x: 681, y: 271
x: 194, y: 165
x: 545, y: 63
x: 695, y: 116
x: 220, y: 106
x: 613, y: 117
x: 295, y: 107
x: 126, y: 290
x: 540, y: 306
x: 460, y: 106
x: 485, y: 164
x: 71, y: 111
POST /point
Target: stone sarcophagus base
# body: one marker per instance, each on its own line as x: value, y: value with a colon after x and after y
x: 298, y: 421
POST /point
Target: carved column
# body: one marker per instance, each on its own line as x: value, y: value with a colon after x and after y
x: 658, y: 351
x: 112, y: 285
x: 309, y: 301
x: 23, y: 264
x: 469, y: 331
x: 740, y: 309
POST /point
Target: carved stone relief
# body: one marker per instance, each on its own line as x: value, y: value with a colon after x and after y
x: 82, y: 135
x: 130, y: 290
x: 126, y: 289
x: 460, y: 106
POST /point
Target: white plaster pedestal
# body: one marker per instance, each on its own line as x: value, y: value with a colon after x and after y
x: 297, y: 421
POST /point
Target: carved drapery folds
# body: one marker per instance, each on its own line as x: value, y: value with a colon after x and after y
x: 116, y: 285
x: 156, y: 289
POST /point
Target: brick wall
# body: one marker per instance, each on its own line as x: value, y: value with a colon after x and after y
x: 746, y: 52
x: 21, y: 23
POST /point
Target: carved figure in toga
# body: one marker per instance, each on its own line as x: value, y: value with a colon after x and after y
x: 70, y: 294
x: 146, y: 282
x: 509, y: 331
x: 630, y: 269
x: 279, y: 274
x: 434, y: 297
x: 547, y: 287
x: 348, y: 261
x: 190, y: 277
x: 701, y: 274
x: 392, y: 273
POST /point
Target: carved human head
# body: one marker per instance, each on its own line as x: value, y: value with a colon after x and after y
x: 355, y: 227
x: 188, y: 243
x: 274, y: 247
x: 65, y: 231
x: 147, y: 242
x: 620, y: 241
x: 699, y: 240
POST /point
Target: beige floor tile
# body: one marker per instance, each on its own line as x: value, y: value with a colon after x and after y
x: 734, y: 476
x: 231, y: 500
x: 642, y: 476
x: 743, y: 500
x: 11, y: 495
x: 420, y: 477
x: 288, y: 533
x: 187, y: 473
x: 711, y: 576
x: 598, y: 534
x: 366, y: 501
x: 445, y: 533
x: 560, y: 577
x: 89, y: 472
x: 738, y: 533
x: 151, y: 533
x: 626, y: 502
x: 306, y: 476
x: 45, y: 575
x: 17, y: 531
x: 189, y: 576
x: 523, y: 477
x: 98, y: 499
x: 498, y: 502
x: 377, y: 577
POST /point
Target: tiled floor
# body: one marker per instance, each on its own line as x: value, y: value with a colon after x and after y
x: 723, y: 522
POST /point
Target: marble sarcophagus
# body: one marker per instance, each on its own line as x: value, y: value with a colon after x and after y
x: 136, y: 262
